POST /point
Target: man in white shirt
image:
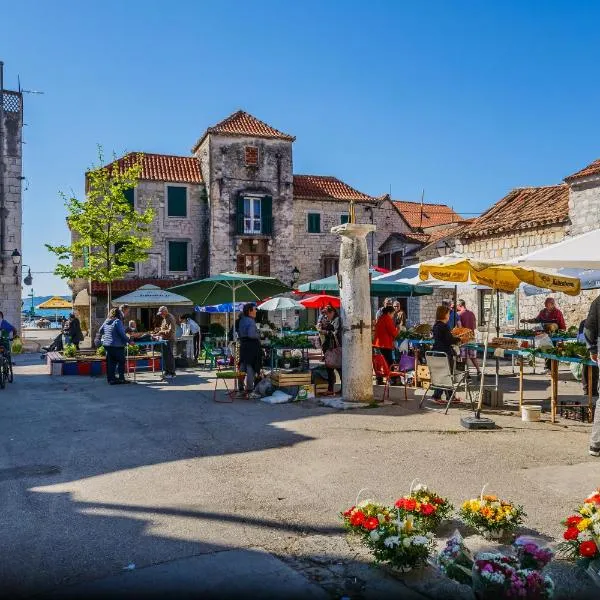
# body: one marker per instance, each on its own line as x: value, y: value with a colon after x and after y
x: 190, y: 327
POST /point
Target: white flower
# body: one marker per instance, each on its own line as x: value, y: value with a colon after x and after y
x: 595, y: 516
x: 509, y: 517
x: 364, y: 503
x: 495, y: 505
x: 420, y: 540
x: 597, y: 528
x: 420, y: 487
x: 374, y: 535
x: 391, y: 541
x: 431, y: 535
x: 380, y: 517
x: 585, y: 536
x: 399, y: 523
x: 406, y: 542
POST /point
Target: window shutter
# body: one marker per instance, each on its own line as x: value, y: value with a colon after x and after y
x: 178, y: 260
x: 314, y: 223
x: 176, y: 201
x: 265, y: 265
x: 129, y: 196
x: 343, y: 219
x: 241, y: 263
x: 266, y: 208
x: 239, y: 217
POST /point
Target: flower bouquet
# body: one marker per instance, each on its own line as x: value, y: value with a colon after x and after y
x: 427, y: 508
x: 582, y: 531
x: 366, y: 517
x: 456, y: 561
x: 492, y: 517
x: 498, y: 576
x: 530, y: 554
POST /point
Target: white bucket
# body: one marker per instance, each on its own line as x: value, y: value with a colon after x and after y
x: 531, y: 413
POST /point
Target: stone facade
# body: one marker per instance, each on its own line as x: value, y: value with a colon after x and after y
x: 584, y: 205
x: 10, y: 188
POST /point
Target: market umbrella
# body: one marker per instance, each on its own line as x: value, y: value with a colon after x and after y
x: 55, y: 303
x: 227, y: 307
x: 378, y: 288
x: 590, y: 280
x: 149, y: 296
x: 320, y: 301
x: 233, y: 287
x: 503, y: 277
x: 282, y: 304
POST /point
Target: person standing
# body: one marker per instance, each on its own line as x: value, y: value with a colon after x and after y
x: 385, y: 335
x: 443, y: 340
x: 467, y: 319
x: 166, y: 332
x: 192, y: 329
x: 549, y: 314
x: 584, y: 373
x: 123, y: 312
x: 7, y: 328
x: 399, y: 316
x: 386, y: 302
x: 113, y: 338
x: 250, y: 349
x: 75, y: 330
x: 333, y: 339
x: 591, y: 332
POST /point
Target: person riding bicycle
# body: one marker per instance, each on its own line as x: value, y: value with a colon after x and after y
x: 5, y: 330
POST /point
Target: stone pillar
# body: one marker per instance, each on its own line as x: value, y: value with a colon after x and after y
x: 355, y: 293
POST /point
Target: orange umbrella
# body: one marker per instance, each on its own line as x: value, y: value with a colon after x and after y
x: 320, y: 301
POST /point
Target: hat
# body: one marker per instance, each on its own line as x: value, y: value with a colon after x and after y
x: 161, y: 309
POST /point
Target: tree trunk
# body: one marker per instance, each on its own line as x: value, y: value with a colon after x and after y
x: 108, y: 296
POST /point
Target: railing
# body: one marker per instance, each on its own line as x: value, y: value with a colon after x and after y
x: 266, y: 226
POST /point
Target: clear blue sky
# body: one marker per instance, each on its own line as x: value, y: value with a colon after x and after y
x: 466, y: 100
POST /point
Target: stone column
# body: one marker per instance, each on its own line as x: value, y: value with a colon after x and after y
x: 355, y: 293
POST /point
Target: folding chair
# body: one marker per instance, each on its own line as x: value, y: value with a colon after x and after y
x: 382, y: 370
x: 225, y: 376
x: 442, y: 378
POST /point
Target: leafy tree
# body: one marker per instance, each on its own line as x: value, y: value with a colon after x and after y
x: 108, y: 233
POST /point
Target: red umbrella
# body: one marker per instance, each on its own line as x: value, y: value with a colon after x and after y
x: 320, y: 301
x: 380, y: 269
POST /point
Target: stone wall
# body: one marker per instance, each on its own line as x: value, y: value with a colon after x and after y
x: 11, y: 173
x: 584, y: 206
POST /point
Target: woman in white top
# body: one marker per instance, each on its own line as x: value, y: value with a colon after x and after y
x: 190, y: 327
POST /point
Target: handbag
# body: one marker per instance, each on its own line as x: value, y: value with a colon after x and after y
x: 333, y: 358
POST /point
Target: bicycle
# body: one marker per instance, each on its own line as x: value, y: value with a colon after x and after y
x: 6, y: 370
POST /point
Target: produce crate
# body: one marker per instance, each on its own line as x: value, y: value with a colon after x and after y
x: 423, y: 372
x: 280, y: 379
x: 320, y: 389
x: 493, y: 398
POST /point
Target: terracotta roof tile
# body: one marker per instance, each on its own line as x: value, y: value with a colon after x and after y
x: 129, y: 285
x: 591, y: 169
x: 522, y: 208
x: 243, y: 123
x: 164, y: 167
x: 321, y: 187
x: 433, y: 214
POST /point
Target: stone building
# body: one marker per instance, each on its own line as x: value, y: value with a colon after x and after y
x: 236, y: 205
x: 11, y: 207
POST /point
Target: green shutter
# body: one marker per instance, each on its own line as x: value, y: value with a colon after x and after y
x: 129, y: 196
x: 239, y: 216
x: 178, y: 259
x: 314, y: 223
x: 343, y: 219
x: 266, y: 212
x: 176, y: 201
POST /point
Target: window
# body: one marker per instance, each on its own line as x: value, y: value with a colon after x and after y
x: 252, y: 212
x: 343, y: 219
x: 119, y: 247
x: 251, y: 156
x: 485, y: 302
x: 314, y: 223
x: 254, y: 264
x: 330, y: 265
x: 178, y: 256
x: 176, y: 201
x: 130, y: 196
x: 384, y: 261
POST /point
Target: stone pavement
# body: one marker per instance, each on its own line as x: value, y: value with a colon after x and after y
x: 95, y: 478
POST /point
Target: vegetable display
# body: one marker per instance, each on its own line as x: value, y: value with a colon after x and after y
x: 291, y: 341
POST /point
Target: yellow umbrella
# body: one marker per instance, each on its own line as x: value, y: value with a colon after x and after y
x: 498, y: 276
x: 56, y: 303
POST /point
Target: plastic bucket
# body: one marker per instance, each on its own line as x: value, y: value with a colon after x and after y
x: 531, y: 413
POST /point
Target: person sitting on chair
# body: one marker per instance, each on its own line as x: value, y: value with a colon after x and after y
x: 385, y: 334
x: 443, y: 340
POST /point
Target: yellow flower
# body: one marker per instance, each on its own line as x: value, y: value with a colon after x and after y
x: 583, y: 524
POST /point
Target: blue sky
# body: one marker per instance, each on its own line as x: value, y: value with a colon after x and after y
x: 466, y: 100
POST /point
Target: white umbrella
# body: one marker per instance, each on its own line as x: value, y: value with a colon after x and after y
x: 580, y: 252
x: 149, y: 296
x: 282, y: 304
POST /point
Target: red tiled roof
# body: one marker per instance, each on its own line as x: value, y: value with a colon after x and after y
x: 129, y: 285
x: 322, y: 187
x: 418, y: 238
x: 243, y: 123
x: 523, y: 208
x: 591, y: 169
x: 433, y: 215
x: 163, y: 167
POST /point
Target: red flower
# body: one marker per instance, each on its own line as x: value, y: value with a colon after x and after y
x: 427, y: 509
x: 400, y: 503
x: 348, y: 512
x: 593, y: 499
x: 573, y: 520
x: 371, y: 523
x: 410, y: 504
x: 438, y: 500
x: 569, y: 534
x: 588, y: 549
x: 358, y: 518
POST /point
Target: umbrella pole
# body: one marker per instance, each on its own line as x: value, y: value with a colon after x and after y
x: 233, y: 307
x: 485, y: 349
x: 455, y: 301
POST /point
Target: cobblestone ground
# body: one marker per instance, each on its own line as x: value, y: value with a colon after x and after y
x: 94, y: 478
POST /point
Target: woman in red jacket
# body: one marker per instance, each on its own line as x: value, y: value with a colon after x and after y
x: 385, y: 334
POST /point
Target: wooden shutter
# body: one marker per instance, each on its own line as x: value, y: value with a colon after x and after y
x: 265, y: 265
x: 266, y: 212
x: 129, y: 196
x: 239, y: 216
x: 176, y: 201
x: 241, y: 264
x: 178, y: 260
x: 343, y: 219
x: 314, y: 223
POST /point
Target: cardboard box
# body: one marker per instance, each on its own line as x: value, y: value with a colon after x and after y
x: 493, y: 398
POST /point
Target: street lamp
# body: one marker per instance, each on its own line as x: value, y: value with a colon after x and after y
x: 28, y: 279
x: 295, y: 276
x: 16, y: 257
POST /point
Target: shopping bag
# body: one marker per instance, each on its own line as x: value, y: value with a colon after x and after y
x: 333, y: 358
x: 407, y: 363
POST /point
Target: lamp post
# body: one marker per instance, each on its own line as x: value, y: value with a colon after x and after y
x: 295, y: 276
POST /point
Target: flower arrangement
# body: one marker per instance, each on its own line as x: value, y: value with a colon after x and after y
x: 493, y: 517
x: 531, y: 555
x: 582, y: 530
x: 456, y: 561
x: 427, y: 508
x: 367, y: 517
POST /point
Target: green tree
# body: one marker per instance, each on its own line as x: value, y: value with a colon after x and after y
x: 108, y: 233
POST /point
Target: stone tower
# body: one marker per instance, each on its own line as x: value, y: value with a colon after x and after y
x: 11, y: 207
